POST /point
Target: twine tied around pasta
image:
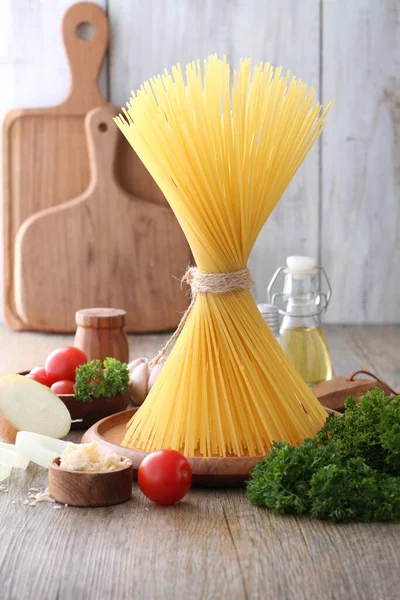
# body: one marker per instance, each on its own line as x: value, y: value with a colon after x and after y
x: 206, y: 283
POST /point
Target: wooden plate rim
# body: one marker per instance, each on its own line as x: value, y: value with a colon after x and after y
x: 205, y: 470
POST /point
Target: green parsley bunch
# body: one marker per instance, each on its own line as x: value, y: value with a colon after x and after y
x: 350, y: 471
x: 94, y: 380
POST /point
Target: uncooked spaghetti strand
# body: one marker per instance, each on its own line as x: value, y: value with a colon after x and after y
x: 272, y: 344
x: 212, y: 341
x: 233, y: 347
x: 227, y: 386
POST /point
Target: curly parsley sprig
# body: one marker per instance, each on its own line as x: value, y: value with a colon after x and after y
x: 94, y: 380
x: 350, y: 471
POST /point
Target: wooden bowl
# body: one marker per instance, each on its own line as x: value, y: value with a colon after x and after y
x: 78, y: 488
x: 91, y: 412
x: 231, y: 471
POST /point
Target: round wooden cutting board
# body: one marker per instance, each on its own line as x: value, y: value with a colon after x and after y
x: 207, y: 472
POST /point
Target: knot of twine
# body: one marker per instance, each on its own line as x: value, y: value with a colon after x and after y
x: 206, y: 283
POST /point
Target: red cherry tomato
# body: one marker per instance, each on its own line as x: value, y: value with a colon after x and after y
x: 165, y: 476
x: 63, y: 387
x: 39, y: 374
x: 61, y: 363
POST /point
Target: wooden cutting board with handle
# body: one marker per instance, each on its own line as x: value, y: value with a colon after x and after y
x: 46, y: 163
x: 103, y: 248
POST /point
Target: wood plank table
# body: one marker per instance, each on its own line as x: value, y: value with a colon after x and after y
x: 215, y: 544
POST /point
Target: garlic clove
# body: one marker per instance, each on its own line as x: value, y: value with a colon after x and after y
x: 139, y: 382
x: 135, y: 363
x: 154, y: 373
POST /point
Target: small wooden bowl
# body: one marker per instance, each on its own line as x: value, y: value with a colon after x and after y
x: 78, y: 488
x: 91, y: 412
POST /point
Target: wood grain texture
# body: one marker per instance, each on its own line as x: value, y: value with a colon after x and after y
x: 46, y: 163
x: 33, y: 177
x: 372, y: 347
x: 100, y: 333
x: 207, y: 472
x: 116, y: 250
x: 150, y: 36
x: 333, y: 393
x: 101, y: 318
x: 361, y: 160
x: 350, y: 49
x: 215, y: 472
x: 78, y: 488
x: 88, y: 413
x: 214, y: 544
x: 19, y: 351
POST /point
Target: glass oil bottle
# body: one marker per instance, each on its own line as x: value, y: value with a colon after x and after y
x: 301, y: 336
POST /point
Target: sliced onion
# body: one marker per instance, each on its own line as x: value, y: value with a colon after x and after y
x: 11, y: 457
x: 40, y: 449
x: 5, y: 472
x: 26, y: 405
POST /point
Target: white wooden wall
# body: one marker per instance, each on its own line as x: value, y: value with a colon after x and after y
x: 344, y: 204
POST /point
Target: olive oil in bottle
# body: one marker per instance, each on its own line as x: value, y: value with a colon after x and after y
x: 308, y: 352
x: 301, y: 336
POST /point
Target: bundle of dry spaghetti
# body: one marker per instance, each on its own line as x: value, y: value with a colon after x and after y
x: 223, y: 158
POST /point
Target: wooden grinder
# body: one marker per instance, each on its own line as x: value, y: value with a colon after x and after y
x: 101, y: 333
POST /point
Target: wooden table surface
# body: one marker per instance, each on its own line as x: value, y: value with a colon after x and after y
x: 215, y: 544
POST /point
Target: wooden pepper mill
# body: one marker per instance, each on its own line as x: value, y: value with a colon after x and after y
x: 101, y: 333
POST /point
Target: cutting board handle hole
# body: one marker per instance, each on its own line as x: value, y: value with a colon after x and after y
x: 85, y: 31
x: 102, y: 127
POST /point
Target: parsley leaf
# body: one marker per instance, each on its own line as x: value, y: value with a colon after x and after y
x: 94, y: 380
x: 348, y: 471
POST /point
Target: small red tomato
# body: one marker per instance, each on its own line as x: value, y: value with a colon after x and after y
x: 165, y: 476
x: 39, y: 374
x: 63, y: 387
x: 61, y: 363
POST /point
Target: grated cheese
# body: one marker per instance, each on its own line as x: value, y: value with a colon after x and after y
x: 40, y: 496
x: 91, y: 458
